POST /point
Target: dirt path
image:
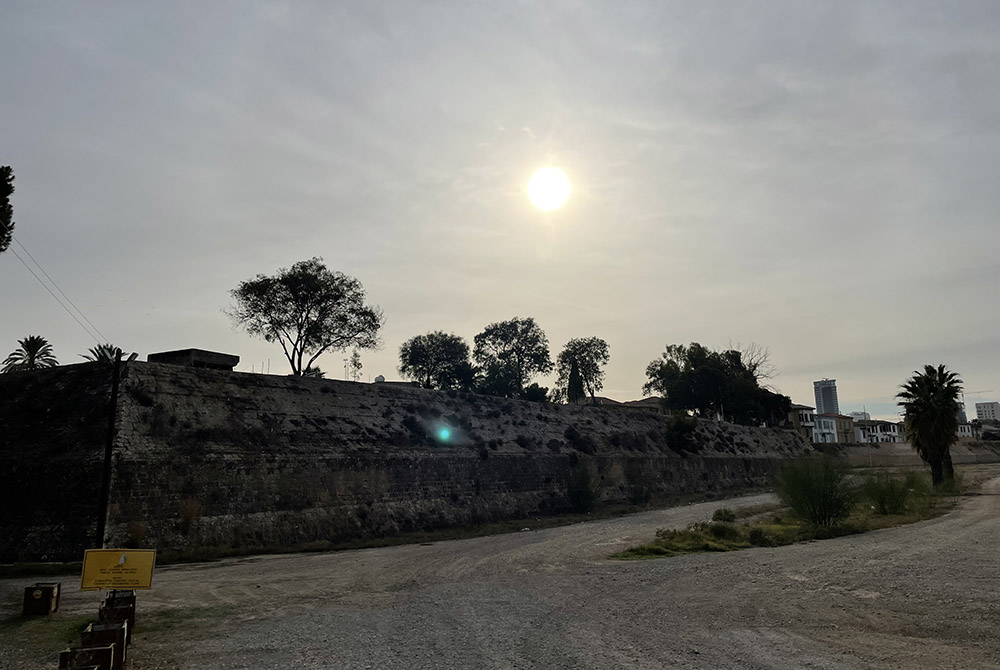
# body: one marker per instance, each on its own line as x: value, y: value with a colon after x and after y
x: 920, y: 596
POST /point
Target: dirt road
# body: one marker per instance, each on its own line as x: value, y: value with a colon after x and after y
x: 920, y: 596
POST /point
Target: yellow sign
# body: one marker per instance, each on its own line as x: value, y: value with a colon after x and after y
x: 117, y: 569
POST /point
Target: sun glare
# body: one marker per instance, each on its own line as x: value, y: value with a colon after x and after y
x: 548, y: 188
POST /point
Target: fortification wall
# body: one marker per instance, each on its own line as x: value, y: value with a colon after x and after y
x: 215, y: 459
x: 206, y: 458
x: 53, y: 431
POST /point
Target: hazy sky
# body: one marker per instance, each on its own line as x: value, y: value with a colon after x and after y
x: 818, y: 177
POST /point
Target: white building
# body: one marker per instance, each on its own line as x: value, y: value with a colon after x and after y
x: 964, y: 431
x: 825, y: 430
x: 860, y: 416
x: 878, y: 431
x: 988, y: 411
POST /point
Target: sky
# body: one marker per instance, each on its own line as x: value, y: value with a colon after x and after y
x: 818, y: 178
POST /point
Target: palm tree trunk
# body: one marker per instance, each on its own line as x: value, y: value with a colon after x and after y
x: 937, y: 472
x: 947, y: 467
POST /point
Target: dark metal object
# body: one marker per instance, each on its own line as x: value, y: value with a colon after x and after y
x: 75, y: 658
x: 42, y: 598
x: 102, y: 634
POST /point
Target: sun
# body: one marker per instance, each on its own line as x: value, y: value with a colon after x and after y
x: 548, y: 188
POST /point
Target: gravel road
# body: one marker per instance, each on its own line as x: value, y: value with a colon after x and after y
x: 920, y: 596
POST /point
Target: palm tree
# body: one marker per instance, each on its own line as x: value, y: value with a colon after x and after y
x: 930, y: 400
x: 34, y: 353
x: 102, y: 353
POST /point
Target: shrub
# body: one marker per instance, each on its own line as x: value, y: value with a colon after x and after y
x: 582, y: 488
x: 578, y: 440
x: 887, y: 494
x: 758, y: 537
x: 680, y: 434
x: 724, y: 514
x: 816, y: 488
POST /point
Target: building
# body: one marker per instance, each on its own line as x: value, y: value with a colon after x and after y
x: 964, y: 432
x: 826, y: 396
x: 860, y: 416
x: 825, y: 431
x: 988, y: 411
x: 878, y: 431
x: 803, y: 419
x: 835, y: 428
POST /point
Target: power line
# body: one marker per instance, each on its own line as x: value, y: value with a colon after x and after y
x: 54, y: 296
x: 63, y: 294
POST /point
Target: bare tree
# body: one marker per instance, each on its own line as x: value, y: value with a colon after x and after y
x: 756, y: 359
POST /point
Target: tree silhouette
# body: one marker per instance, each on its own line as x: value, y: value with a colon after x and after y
x: 33, y: 353
x: 586, y: 356
x: 437, y: 360
x: 510, y: 353
x: 6, y: 209
x: 102, y: 353
x: 930, y: 402
x: 308, y: 309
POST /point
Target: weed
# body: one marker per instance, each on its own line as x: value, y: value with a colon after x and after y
x: 817, y: 489
x: 724, y: 514
x: 887, y: 494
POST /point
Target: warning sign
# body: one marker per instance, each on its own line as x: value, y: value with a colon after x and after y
x: 117, y: 569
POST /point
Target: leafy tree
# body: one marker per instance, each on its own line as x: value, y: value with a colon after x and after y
x: 437, y: 360
x: 33, y: 353
x: 6, y: 209
x: 510, y: 353
x: 713, y: 384
x: 102, y: 353
x: 313, y: 371
x: 930, y: 401
x: 585, y: 356
x: 535, y: 393
x: 308, y: 309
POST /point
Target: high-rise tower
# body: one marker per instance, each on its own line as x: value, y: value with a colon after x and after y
x: 826, y: 396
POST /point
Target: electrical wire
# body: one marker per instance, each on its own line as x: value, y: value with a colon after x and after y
x: 54, y: 296
x: 63, y: 294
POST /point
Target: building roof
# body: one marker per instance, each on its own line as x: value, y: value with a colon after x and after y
x: 794, y: 406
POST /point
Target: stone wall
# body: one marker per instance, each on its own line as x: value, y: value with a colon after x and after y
x: 53, y: 431
x: 236, y: 461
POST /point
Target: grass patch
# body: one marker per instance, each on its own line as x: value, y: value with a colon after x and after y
x: 44, y: 636
x: 785, y: 526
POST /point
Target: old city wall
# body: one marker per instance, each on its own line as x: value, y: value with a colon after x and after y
x: 53, y: 432
x: 206, y: 459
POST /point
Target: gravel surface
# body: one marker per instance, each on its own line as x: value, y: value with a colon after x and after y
x: 920, y: 596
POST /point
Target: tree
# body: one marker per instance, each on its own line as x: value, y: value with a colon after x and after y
x: 535, y: 393
x: 713, y: 384
x: 510, y: 353
x: 33, y: 353
x: 308, y: 309
x: 585, y: 355
x: 355, y: 365
x: 6, y: 209
x: 102, y: 353
x: 930, y: 401
x: 437, y: 360
x: 756, y: 359
x: 314, y: 372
